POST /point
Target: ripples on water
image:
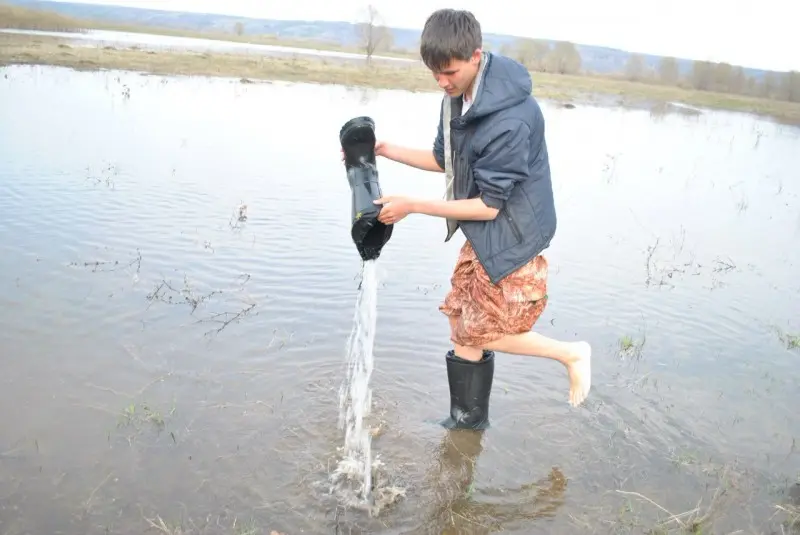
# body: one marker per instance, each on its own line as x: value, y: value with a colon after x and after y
x: 123, y: 403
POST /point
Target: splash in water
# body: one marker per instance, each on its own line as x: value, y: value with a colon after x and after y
x: 360, y: 481
x: 355, y: 395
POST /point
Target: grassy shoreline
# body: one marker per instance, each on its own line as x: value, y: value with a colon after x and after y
x: 18, y: 49
x: 20, y: 18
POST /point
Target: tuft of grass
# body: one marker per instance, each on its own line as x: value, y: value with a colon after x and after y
x: 792, y: 341
x: 789, y: 340
x: 630, y: 347
x: 143, y: 414
x: 626, y: 343
x: 189, y: 527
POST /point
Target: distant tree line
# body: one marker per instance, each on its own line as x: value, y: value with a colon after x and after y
x: 538, y: 56
x: 719, y: 77
x: 564, y: 58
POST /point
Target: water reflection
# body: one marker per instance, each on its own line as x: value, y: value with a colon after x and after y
x: 462, y: 506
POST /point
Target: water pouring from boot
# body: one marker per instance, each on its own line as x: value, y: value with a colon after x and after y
x: 355, y: 477
x: 470, y: 383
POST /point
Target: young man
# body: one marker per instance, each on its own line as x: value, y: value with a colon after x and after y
x: 491, y: 146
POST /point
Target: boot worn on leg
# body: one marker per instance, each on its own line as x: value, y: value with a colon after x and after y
x: 470, y: 390
x: 357, y: 138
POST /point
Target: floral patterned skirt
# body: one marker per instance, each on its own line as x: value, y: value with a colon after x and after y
x: 484, y: 312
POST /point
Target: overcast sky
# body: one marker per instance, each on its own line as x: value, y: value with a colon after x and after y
x: 745, y: 32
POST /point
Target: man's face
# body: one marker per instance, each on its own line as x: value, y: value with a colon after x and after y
x: 456, y: 77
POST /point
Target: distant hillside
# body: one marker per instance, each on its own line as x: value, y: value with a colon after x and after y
x: 29, y: 19
x: 593, y: 58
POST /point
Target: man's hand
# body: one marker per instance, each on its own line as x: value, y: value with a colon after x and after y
x: 381, y: 148
x: 395, y: 208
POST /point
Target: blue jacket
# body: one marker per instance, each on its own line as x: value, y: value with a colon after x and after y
x: 499, y: 154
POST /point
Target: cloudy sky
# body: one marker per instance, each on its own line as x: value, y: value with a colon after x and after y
x: 752, y: 33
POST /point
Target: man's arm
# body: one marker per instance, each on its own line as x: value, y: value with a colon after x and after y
x: 419, y: 158
x: 464, y: 209
x: 503, y: 162
x: 427, y: 160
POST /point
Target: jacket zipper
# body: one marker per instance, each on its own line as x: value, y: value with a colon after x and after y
x: 513, y: 224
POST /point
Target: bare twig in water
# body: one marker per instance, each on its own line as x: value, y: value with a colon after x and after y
x: 159, y: 525
x: 724, y: 265
x: 106, y: 176
x: 88, y: 503
x: 165, y: 292
x: 115, y: 265
x: 672, y: 517
x: 792, y: 513
x: 610, y: 167
x: 693, y: 520
x: 649, y: 262
x: 184, y: 296
x: 226, y: 318
x: 661, y: 275
x: 127, y: 395
x: 239, y: 216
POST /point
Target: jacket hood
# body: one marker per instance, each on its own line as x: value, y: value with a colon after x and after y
x: 502, y: 83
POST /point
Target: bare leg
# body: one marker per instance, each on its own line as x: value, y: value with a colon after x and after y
x: 575, y: 356
x: 467, y: 353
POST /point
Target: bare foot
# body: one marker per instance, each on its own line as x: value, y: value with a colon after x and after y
x: 580, y: 373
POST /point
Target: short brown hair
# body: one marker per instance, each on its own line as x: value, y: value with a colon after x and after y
x: 449, y: 34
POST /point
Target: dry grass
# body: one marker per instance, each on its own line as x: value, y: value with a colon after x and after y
x: 18, y: 49
x: 34, y: 19
x: 21, y: 49
x: 791, y: 514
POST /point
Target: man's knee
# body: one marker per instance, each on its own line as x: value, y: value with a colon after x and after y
x: 464, y: 352
x: 468, y: 353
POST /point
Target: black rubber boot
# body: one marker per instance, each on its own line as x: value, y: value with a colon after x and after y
x: 357, y: 137
x: 470, y: 390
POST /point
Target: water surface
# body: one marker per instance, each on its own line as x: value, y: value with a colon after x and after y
x: 161, y: 360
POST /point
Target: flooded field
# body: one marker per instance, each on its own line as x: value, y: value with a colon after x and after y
x: 177, y: 285
x: 156, y: 42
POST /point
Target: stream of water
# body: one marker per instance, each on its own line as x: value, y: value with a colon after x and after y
x: 355, y: 395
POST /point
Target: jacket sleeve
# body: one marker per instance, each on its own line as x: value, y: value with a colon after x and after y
x: 438, y: 143
x: 503, y: 162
